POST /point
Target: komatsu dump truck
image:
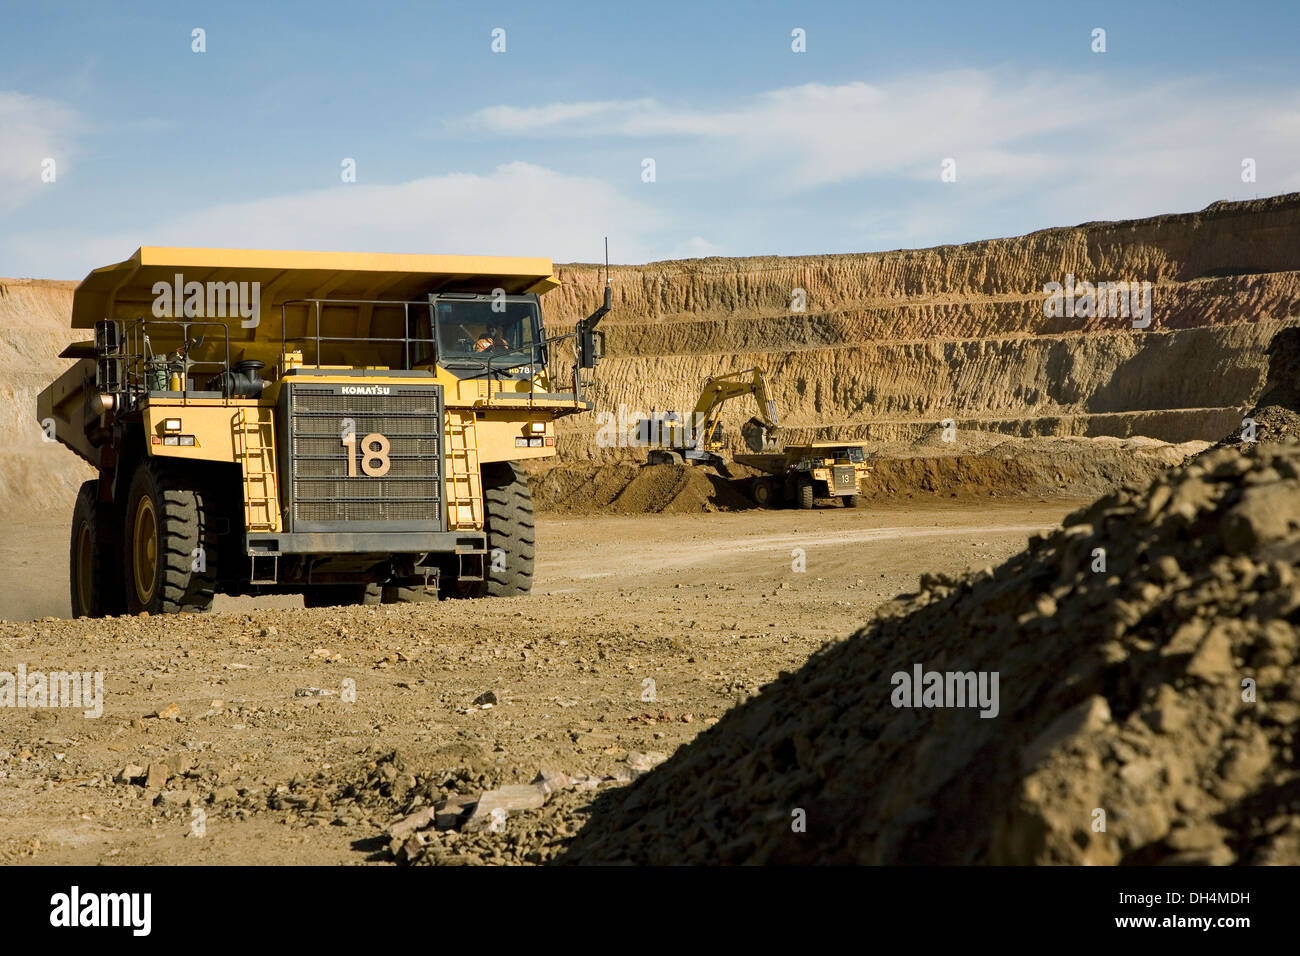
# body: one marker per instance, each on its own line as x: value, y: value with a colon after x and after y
x: 348, y: 427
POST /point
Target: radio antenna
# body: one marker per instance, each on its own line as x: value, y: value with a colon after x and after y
x: 589, y: 323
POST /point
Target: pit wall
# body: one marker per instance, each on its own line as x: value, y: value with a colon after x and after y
x: 35, y: 475
x: 892, y: 343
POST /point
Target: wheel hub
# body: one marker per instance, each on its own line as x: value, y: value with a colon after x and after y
x: 144, y: 550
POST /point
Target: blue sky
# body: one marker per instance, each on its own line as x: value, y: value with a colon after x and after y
x: 539, y: 150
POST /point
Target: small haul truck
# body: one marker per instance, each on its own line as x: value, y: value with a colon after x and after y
x: 348, y: 427
x: 801, y: 474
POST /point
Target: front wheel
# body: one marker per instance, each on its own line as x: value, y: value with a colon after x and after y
x: 511, y: 538
x: 850, y: 501
x: 805, y: 495
x: 169, y: 540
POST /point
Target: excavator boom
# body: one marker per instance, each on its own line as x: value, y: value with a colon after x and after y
x: 699, y: 439
x: 721, y: 389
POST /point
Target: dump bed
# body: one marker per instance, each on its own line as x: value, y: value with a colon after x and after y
x: 247, y: 303
x: 773, y: 464
x: 128, y: 290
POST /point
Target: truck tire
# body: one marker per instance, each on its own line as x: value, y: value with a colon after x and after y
x: 763, y: 491
x: 405, y: 595
x: 169, y: 516
x: 508, y: 510
x: 340, y: 595
x: 511, y: 540
x: 850, y: 501
x: 95, y: 568
x: 804, y: 494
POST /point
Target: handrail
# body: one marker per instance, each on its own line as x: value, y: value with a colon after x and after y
x: 136, y: 363
x: 317, y: 338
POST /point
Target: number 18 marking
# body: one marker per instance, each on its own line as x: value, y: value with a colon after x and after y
x: 378, y: 455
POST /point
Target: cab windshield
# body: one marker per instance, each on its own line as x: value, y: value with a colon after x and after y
x: 471, y: 332
x: 854, y: 455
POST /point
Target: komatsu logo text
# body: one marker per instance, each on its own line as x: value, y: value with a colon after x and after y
x: 366, y: 390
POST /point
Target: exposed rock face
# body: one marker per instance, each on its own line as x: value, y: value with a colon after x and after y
x: 891, y: 343
x: 35, y: 475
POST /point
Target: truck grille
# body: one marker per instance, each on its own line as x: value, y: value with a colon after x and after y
x: 846, y: 480
x: 322, y: 496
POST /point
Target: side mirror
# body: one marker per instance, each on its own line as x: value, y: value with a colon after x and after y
x: 108, y: 336
x: 591, y: 346
x: 109, y: 375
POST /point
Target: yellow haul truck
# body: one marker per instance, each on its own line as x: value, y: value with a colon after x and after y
x: 344, y: 426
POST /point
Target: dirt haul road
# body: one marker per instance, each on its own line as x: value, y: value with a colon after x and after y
x: 250, y: 699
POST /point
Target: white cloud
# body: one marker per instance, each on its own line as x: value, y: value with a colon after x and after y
x: 804, y: 169
x: 518, y: 209
x: 1005, y: 130
x: 32, y: 130
x: 529, y: 119
x: 697, y: 247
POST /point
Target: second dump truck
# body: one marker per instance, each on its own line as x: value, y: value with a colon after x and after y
x: 800, y: 475
x: 349, y: 427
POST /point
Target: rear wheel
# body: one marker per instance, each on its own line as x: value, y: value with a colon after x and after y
x: 95, y: 567
x: 805, y: 495
x: 169, y: 539
x: 405, y: 595
x: 340, y: 595
x: 763, y: 492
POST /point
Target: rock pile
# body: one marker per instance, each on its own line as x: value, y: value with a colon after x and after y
x: 434, y: 812
x: 1140, y: 664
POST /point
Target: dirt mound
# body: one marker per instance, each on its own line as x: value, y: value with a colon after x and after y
x: 1144, y: 709
x: 632, y: 489
x: 981, y: 465
x: 1075, y: 467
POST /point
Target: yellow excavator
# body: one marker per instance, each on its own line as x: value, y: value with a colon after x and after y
x: 699, y: 439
